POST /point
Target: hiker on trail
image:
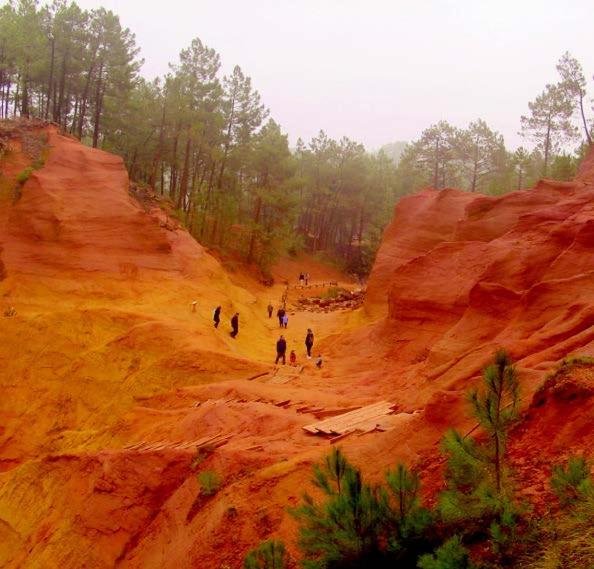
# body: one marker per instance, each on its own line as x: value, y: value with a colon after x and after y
x: 301, y: 278
x: 293, y: 358
x: 217, y: 316
x: 270, y: 309
x: 281, y: 349
x: 280, y: 313
x: 306, y: 279
x: 285, y: 320
x: 309, y: 341
x: 319, y: 361
x: 235, y: 325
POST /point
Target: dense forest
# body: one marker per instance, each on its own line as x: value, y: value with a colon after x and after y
x: 207, y: 142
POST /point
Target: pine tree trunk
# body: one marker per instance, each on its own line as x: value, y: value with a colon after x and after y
x: 547, y: 147
x: 62, y: 90
x: 436, y: 166
x: 98, y: 105
x: 25, y: 97
x: 253, y: 236
x: 227, y: 142
x: 183, y: 186
x: 51, y: 79
x: 84, y: 99
x: 159, y: 149
x: 588, y: 137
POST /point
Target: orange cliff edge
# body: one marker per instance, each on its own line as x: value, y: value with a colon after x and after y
x: 110, y: 381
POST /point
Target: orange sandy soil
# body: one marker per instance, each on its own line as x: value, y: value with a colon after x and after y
x: 105, y: 352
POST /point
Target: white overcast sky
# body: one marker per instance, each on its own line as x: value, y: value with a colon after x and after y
x: 375, y: 70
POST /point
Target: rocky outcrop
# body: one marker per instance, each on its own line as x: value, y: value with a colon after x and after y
x: 460, y: 274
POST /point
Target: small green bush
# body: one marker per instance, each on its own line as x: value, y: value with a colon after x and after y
x: 269, y: 554
x: 451, y: 555
x: 209, y: 481
x: 23, y: 176
x: 572, y: 483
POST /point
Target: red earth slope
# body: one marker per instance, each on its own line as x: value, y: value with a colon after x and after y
x: 105, y: 352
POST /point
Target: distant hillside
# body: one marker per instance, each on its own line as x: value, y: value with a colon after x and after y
x: 394, y: 150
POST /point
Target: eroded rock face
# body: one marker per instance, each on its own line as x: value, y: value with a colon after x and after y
x: 463, y: 274
x: 76, y: 215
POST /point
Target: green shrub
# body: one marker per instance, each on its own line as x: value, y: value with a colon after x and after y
x: 358, y: 524
x: 572, y: 483
x: 479, y: 500
x: 23, y: 176
x: 451, y: 555
x: 409, y: 519
x: 209, y: 481
x: 269, y: 554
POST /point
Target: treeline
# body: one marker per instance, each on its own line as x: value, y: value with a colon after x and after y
x: 476, y: 159
x: 478, y: 521
x: 201, y: 139
x: 206, y: 142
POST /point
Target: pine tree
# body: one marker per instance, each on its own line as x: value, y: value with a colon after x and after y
x: 549, y: 122
x: 270, y: 554
x: 478, y: 489
x: 573, y: 83
x: 497, y: 408
x: 345, y: 530
x: 451, y: 555
x: 572, y: 483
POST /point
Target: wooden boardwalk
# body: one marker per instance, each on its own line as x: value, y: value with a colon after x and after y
x: 365, y: 420
x: 209, y: 441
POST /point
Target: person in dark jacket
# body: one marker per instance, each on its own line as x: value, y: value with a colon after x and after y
x: 235, y: 325
x: 309, y: 342
x: 217, y: 316
x: 281, y: 350
x: 280, y: 313
x: 270, y: 309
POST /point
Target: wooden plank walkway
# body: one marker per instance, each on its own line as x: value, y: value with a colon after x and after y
x: 365, y: 419
x: 282, y: 375
x: 210, y: 440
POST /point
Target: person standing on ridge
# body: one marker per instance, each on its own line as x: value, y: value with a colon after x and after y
x: 306, y: 279
x: 301, y: 278
x: 217, y: 316
x: 293, y: 358
x: 270, y: 309
x: 285, y: 320
x: 235, y: 325
x: 280, y: 314
x: 309, y: 342
x: 281, y: 349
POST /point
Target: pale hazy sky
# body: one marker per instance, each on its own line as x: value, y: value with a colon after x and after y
x: 376, y: 70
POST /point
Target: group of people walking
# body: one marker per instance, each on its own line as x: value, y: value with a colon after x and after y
x: 216, y: 316
x: 281, y: 350
x: 283, y: 317
x: 281, y: 344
